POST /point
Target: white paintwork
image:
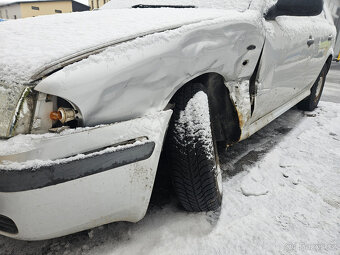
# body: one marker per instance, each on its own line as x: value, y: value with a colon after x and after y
x: 25, y: 54
x: 175, y: 57
x: 288, y: 65
x: 120, y: 194
x: 252, y: 128
x: 139, y: 77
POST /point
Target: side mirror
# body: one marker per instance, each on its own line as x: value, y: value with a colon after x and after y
x: 295, y: 8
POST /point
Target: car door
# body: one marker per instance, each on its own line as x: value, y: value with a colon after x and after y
x: 285, y: 63
x: 324, y: 33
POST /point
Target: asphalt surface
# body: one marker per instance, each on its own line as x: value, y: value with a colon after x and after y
x: 331, y: 91
x: 335, y: 66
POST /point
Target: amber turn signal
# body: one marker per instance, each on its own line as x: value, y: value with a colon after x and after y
x: 63, y: 115
x: 55, y: 115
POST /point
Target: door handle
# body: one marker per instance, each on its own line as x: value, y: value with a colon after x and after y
x: 310, y: 41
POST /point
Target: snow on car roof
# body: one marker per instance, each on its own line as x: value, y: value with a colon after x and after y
x: 29, y: 44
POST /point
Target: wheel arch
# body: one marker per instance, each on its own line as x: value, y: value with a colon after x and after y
x: 224, y: 117
x: 329, y: 62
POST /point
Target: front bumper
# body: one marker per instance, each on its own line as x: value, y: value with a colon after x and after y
x: 57, y: 184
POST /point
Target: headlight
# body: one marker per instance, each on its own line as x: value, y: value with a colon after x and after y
x: 22, y: 120
x: 63, y: 115
x: 54, y: 114
x: 25, y: 111
x: 16, y: 106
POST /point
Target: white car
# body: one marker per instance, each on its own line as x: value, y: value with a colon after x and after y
x: 90, y: 100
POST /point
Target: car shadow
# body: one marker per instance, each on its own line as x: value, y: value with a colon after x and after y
x: 244, y: 154
x: 234, y: 160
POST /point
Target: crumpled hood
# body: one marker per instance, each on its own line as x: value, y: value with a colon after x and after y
x: 33, y: 47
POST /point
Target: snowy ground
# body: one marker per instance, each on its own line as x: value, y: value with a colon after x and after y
x: 281, y: 196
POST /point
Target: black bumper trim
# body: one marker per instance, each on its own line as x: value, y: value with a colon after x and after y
x: 29, y: 179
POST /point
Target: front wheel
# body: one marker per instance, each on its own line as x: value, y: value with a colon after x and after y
x: 192, y: 153
x: 311, y: 102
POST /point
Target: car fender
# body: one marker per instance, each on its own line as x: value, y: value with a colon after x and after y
x: 140, y: 77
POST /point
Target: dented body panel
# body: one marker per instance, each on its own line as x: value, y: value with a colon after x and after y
x: 104, y: 172
x: 34, y: 189
x: 288, y: 64
x: 144, y: 84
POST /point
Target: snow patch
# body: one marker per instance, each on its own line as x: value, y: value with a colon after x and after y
x: 194, y: 122
x: 23, y: 143
x: 252, y: 184
x: 35, y: 164
x: 290, y: 219
x: 25, y: 51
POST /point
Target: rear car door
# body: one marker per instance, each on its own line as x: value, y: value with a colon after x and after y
x: 324, y: 33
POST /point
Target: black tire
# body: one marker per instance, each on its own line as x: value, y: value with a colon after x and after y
x: 311, y: 102
x: 192, y: 153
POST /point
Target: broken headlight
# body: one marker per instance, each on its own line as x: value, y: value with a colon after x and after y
x: 25, y: 111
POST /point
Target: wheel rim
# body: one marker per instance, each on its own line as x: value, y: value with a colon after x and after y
x: 319, y: 88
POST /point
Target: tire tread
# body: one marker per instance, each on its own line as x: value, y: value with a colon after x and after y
x: 193, y: 174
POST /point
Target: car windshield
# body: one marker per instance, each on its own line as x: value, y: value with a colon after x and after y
x: 240, y: 5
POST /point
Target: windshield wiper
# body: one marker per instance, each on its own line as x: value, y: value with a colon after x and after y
x: 162, y: 6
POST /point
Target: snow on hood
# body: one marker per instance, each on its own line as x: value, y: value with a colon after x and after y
x: 27, y: 45
x: 240, y: 5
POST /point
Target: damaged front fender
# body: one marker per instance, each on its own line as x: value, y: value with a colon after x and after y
x: 140, y: 77
x: 240, y: 96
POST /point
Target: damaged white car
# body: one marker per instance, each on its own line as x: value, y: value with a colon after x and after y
x: 90, y: 100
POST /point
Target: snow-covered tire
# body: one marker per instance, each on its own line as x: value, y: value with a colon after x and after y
x: 311, y: 102
x: 192, y: 153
